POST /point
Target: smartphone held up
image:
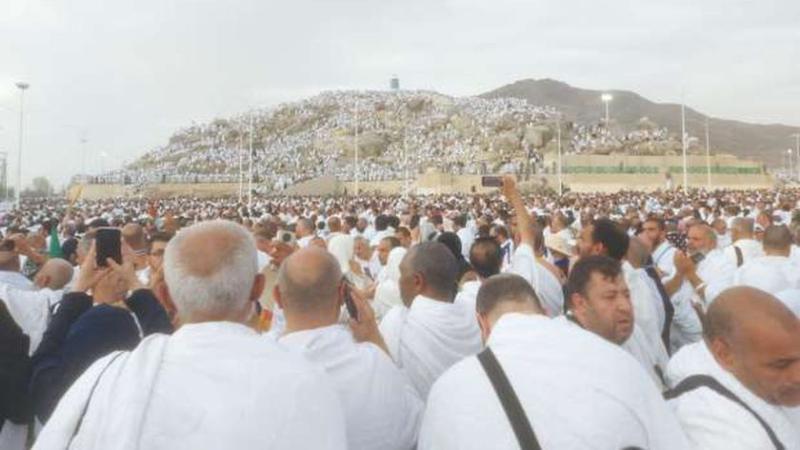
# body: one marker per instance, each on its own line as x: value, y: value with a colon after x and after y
x: 108, y: 244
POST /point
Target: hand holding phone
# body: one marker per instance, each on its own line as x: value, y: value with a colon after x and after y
x: 365, y: 327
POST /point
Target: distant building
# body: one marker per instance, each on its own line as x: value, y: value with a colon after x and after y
x: 394, y: 83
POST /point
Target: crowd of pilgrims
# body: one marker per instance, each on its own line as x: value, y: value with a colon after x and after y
x: 589, y: 138
x: 662, y: 320
x: 293, y: 142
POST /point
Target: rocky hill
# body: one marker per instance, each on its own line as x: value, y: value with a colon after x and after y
x: 627, y: 109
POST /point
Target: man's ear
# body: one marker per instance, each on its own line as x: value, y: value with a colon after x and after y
x: 258, y: 287
x: 485, y: 326
x: 419, y: 282
x: 722, y: 352
x: 577, y: 304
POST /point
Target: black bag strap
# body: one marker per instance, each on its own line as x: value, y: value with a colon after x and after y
x: 739, y: 256
x: 696, y: 381
x: 508, y: 398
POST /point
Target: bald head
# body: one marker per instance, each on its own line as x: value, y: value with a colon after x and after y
x: 777, y: 240
x: 54, y: 274
x: 133, y: 235
x: 308, y: 282
x: 757, y: 338
x: 638, y: 253
x: 428, y: 269
x: 742, y: 228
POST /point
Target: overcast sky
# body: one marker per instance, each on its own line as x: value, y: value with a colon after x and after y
x: 128, y: 74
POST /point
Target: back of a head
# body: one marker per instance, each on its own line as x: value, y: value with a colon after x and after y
x: 777, y: 239
x: 638, y: 253
x: 334, y: 224
x: 210, y: 269
x: 58, y: 272
x: 381, y: 222
x: 452, y: 241
x: 308, y: 282
x: 742, y: 227
x: 485, y: 257
x: 265, y: 230
x: 506, y: 293
x: 612, y: 236
x: 460, y: 220
x: 436, y: 263
x: 133, y: 235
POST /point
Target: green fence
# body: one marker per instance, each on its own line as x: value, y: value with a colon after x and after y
x: 655, y: 169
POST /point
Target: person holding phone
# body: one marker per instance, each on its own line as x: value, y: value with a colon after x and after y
x: 382, y: 410
x: 86, y: 327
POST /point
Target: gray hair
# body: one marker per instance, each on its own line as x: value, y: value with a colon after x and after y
x: 210, y: 268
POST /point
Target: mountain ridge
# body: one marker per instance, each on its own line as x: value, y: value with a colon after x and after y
x: 750, y: 140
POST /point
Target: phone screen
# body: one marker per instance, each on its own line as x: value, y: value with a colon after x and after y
x: 489, y: 181
x: 108, y: 245
x: 348, y: 300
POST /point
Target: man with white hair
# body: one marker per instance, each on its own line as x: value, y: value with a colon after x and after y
x: 382, y: 410
x: 167, y: 393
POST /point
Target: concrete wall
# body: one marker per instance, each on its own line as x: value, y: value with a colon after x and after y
x: 436, y: 182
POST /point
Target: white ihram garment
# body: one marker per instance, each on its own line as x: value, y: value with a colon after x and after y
x: 546, y: 285
x: 382, y: 410
x: 429, y: 337
x: 578, y: 392
x: 713, y: 422
x: 208, y: 386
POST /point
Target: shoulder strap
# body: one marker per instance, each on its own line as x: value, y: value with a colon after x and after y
x: 739, y: 256
x: 508, y: 398
x: 91, y: 394
x: 696, y: 381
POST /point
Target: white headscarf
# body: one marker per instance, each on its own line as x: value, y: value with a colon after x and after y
x: 387, y: 293
x: 342, y: 247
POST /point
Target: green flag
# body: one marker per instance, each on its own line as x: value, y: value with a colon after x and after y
x: 55, y: 246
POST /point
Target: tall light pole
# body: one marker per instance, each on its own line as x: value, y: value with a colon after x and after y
x: 683, y: 141
x: 22, y: 86
x: 250, y: 170
x: 606, y: 98
x: 83, y: 156
x: 355, y: 144
x: 241, y: 172
x: 790, y: 167
x: 797, y: 149
x: 560, y: 170
x: 708, y: 158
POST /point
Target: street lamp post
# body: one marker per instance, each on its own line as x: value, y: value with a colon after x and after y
x: 22, y: 86
x: 708, y: 158
x: 560, y: 169
x: 355, y: 144
x: 797, y: 149
x: 250, y: 171
x: 606, y: 98
x: 683, y: 141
